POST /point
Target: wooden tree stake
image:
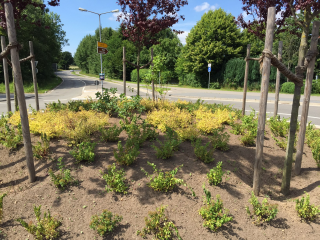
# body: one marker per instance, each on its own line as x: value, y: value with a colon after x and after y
x: 307, y: 93
x: 20, y: 92
x: 263, y: 100
x: 246, y: 81
x: 124, y: 70
x: 276, y: 102
x: 34, y: 75
x: 152, y: 83
x: 6, y: 74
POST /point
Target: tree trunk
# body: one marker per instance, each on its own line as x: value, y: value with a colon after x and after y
x: 34, y: 75
x: 124, y: 70
x: 16, y: 107
x: 153, y: 77
x: 6, y: 75
x: 138, y: 68
x: 276, y: 102
x: 245, y: 81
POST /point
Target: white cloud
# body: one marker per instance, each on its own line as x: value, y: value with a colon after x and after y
x: 114, y: 16
x: 183, y: 37
x: 205, y: 7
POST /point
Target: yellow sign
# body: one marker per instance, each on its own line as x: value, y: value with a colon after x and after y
x: 102, y: 45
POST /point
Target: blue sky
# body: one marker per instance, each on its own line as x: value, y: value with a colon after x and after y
x: 78, y: 24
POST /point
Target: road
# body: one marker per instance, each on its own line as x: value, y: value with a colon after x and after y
x: 79, y: 87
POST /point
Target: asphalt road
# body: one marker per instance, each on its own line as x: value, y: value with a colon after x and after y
x: 74, y: 86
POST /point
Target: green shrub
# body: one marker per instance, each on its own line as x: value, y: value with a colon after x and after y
x: 134, y: 75
x: 46, y: 228
x: 288, y: 87
x: 159, y: 225
x: 215, y: 175
x: 305, y: 210
x: 62, y: 179
x: 75, y: 105
x: 219, y: 139
x: 9, y: 136
x: 279, y: 127
x: 248, y: 139
x: 1, y: 205
x: 115, y: 180
x: 316, y: 86
x: 213, y: 213
x: 111, y: 134
x: 262, y: 212
x: 128, y: 154
x: 105, y: 223
x: 84, y: 152
x: 215, y: 85
x: 171, y: 144
x: 201, y: 151
x: 56, y: 106
x: 41, y: 150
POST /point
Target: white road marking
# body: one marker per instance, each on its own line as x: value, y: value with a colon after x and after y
x: 55, y: 100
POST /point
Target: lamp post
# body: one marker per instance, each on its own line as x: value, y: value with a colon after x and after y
x: 113, y: 11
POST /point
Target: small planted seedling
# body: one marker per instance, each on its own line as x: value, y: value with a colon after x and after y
x: 115, y: 180
x: 262, y: 212
x: 219, y: 139
x: 305, y: 210
x: 1, y: 205
x: 63, y: 178
x: 41, y: 150
x: 9, y: 136
x: 84, y: 152
x: 46, y: 227
x: 105, y: 223
x: 127, y: 154
x: 111, y: 134
x: 159, y: 225
x: 201, y: 151
x: 215, y: 175
x: 213, y: 213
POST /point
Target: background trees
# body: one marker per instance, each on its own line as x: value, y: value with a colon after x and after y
x: 66, y: 60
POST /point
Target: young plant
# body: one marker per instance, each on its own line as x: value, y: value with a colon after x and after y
x: 128, y: 154
x: 1, y: 205
x: 84, y: 152
x: 305, y: 210
x: 213, y: 213
x: 9, y: 136
x: 159, y: 225
x: 279, y: 127
x: 115, y: 180
x: 262, y: 212
x: 41, y: 150
x: 164, y: 181
x: 63, y: 178
x: 248, y: 139
x: 46, y: 228
x: 111, y: 134
x: 219, y: 139
x: 215, y: 175
x: 105, y: 223
x: 201, y: 151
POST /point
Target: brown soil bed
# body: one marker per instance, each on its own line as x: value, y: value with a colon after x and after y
x: 182, y: 208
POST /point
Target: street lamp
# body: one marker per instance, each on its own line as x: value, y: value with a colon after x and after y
x: 113, y: 11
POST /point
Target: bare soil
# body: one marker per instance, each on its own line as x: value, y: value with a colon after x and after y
x: 182, y: 208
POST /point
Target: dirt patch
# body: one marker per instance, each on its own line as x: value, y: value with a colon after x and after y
x: 182, y: 206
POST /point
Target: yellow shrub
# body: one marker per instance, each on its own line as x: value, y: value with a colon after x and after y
x: 189, y: 133
x: 174, y: 118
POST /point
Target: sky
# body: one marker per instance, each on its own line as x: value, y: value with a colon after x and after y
x: 78, y: 24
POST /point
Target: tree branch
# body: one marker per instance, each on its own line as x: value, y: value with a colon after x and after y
x: 136, y: 66
x: 294, y: 14
x: 147, y: 63
x: 27, y: 58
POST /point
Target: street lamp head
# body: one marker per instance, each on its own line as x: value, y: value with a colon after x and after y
x: 116, y: 10
x: 83, y: 10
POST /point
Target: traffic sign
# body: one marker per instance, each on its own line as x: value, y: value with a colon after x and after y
x: 209, y: 65
x: 209, y: 69
x: 102, y: 50
x: 102, y: 45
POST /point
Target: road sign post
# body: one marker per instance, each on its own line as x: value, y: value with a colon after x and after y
x: 209, y: 70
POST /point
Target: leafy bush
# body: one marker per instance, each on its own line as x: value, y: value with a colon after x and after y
x: 215, y: 174
x: 62, y: 179
x: 105, y: 223
x: 56, y: 106
x: 41, y: 150
x: 262, y: 212
x: 305, y: 210
x: 134, y: 75
x: 201, y: 151
x: 84, y: 152
x: 313, y: 141
x: 248, y: 139
x: 219, y: 139
x: 215, y: 85
x: 1, y: 205
x: 110, y: 134
x: 9, y: 136
x: 46, y: 228
x: 159, y: 225
x: 316, y: 86
x: 288, y: 87
x: 190, y: 133
x: 170, y: 145
x: 115, y: 180
x: 213, y: 213
x: 128, y: 154
x: 279, y: 127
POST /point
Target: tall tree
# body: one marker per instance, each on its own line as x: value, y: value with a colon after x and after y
x: 143, y: 19
x: 310, y: 9
x: 66, y: 60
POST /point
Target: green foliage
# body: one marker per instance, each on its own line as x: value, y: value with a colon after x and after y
x: 262, y: 212
x: 247, y: 128
x: 105, y: 223
x: 63, y: 178
x: 279, y: 127
x: 288, y: 87
x: 305, y: 210
x: 313, y: 141
x: 247, y: 139
x: 215, y: 85
x: 171, y: 144
x: 9, y: 136
x: 201, y: 151
x: 159, y: 225
x: 219, y: 139
x: 134, y: 75
x: 1, y: 205
x: 213, y: 213
x: 41, y: 150
x: 111, y: 134
x: 66, y: 60
x: 115, y: 180
x: 84, y: 152
x: 215, y: 175
x: 46, y: 227
x: 56, y: 106
x: 128, y: 154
